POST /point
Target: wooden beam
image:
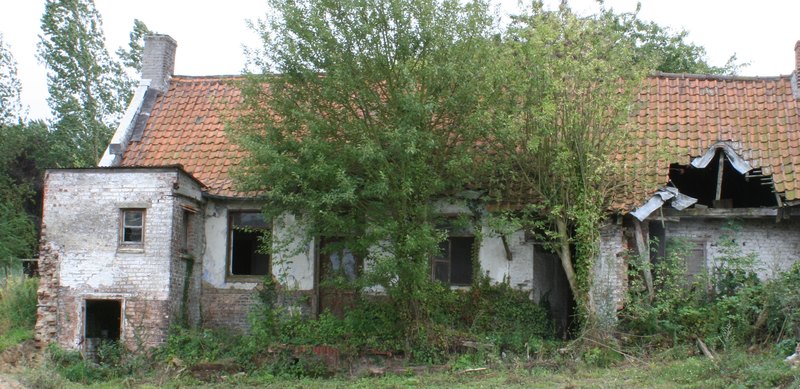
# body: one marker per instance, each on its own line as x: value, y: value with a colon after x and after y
x: 720, y: 213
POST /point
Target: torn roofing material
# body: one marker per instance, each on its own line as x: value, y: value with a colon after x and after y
x: 736, y: 161
x: 678, y: 201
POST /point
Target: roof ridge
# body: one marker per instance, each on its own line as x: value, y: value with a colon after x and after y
x: 720, y: 77
x: 211, y: 76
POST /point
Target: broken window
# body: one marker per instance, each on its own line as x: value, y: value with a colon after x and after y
x: 339, y: 267
x: 336, y: 260
x: 132, y: 226
x: 453, y: 265
x: 247, y: 257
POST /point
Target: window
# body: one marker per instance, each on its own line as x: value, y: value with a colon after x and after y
x: 337, y: 260
x: 246, y: 232
x: 187, y: 232
x: 453, y: 265
x: 132, y: 227
x: 695, y: 260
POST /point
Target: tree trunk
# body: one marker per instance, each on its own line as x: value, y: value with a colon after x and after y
x: 566, y: 256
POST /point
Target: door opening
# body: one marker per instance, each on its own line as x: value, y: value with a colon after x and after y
x: 103, y: 320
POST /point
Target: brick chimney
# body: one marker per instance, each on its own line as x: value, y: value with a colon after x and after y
x: 158, y: 60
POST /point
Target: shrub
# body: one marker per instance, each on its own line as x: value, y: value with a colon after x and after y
x: 727, y: 307
x: 18, y: 301
x: 193, y: 346
x: 17, y: 310
x: 507, y: 316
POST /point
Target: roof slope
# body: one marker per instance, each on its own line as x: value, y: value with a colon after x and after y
x: 187, y: 128
x: 759, y: 116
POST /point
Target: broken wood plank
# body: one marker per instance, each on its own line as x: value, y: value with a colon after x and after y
x: 705, y: 350
x: 477, y: 369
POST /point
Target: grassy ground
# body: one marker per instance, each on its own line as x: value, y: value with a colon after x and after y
x: 735, y: 369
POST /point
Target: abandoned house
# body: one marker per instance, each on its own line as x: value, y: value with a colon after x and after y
x: 152, y: 236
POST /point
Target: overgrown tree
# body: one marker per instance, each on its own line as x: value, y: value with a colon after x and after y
x: 10, y: 87
x: 25, y: 150
x: 570, y: 87
x: 671, y: 50
x: 84, y: 82
x: 372, y: 118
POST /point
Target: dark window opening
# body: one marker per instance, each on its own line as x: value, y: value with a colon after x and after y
x: 737, y: 191
x: 132, y: 226
x: 187, y: 232
x: 30, y: 267
x: 103, y: 319
x: 657, y: 240
x: 551, y: 289
x: 453, y: 265
x: 247, y: 256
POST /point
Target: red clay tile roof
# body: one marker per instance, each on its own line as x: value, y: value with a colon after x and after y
x: 758, y: 116
x: 187, y: 127
x: 691, y: 112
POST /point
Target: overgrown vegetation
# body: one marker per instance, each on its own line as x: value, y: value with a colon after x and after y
x: 726, y: 307
x: 17, y: 310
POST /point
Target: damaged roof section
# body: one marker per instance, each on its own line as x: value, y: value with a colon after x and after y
x: 666, y: 194
x: 753, y: 122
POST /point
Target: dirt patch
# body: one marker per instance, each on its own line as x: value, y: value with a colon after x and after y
x: 15, y: 358
x: 8, y: 382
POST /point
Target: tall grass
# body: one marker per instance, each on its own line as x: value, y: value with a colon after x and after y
x: 17, y: 310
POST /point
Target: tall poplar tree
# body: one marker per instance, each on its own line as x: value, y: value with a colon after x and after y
x: 10, y: 87
x: 86, y: 95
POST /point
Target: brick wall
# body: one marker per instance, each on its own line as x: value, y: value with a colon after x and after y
x: 84, y: 260
x: 776, y: 245
x: 609, y: 277
x: 227, y: 307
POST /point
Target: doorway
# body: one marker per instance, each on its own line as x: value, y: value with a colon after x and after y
x: 102, y: 324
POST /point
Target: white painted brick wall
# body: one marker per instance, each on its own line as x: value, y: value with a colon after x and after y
x: 82, y: 216
x: 776, y: 245
x: 609, y: 278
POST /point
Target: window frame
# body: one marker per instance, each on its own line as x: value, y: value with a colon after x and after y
x: 128, y: 244
x: 448, y: 259
x: 229, y: 275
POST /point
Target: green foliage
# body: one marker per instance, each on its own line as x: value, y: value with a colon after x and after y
x: 88, y: 89
x: 193, y: 346
x: 364, y: 151
x: 18, y: 301
x: 291, y: 365
x: 601, y: 357
x: 507, y: 317
x: 10, y: 87
x: 672, y: 51
x: 113, y: 362
x: 728, y: 307
x: 570, y: 85
x: 132, y: 57
x: 25, y: 150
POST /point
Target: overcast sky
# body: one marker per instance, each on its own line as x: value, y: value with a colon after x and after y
x: 211, y: 34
